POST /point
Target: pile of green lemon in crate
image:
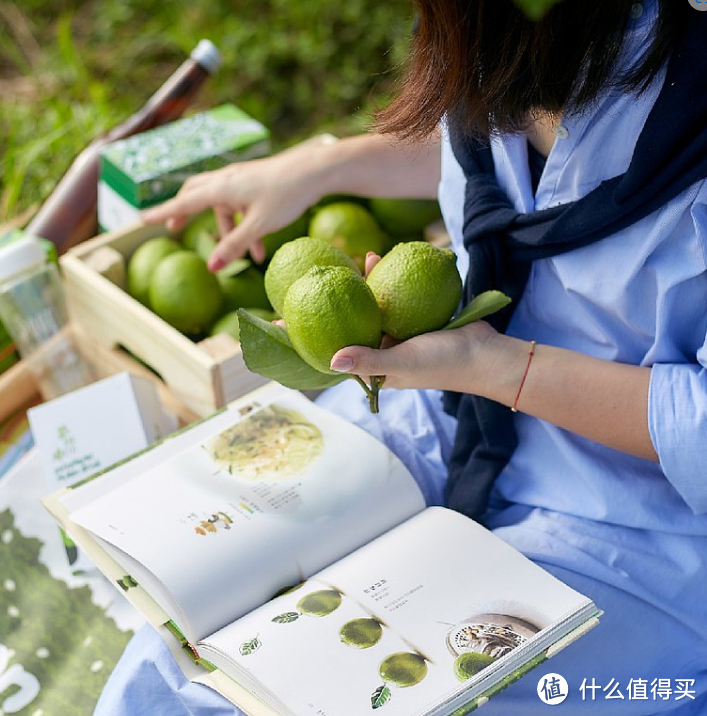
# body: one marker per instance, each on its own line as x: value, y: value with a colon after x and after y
x: 170, y: 276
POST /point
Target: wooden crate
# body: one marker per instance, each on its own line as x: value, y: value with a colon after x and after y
x: 202, y: 376
x: 19, y: 389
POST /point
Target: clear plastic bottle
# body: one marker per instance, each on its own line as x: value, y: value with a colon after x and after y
x: 33, y: 309
x: 68, y: 216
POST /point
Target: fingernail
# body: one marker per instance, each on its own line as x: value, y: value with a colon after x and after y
x: 341, y: 364
x: 216, y: 263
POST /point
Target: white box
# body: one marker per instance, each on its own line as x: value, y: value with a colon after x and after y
x: 83, y: 432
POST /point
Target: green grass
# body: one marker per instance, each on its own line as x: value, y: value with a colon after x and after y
x: 70, y: 69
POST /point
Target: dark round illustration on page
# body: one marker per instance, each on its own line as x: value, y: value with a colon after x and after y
x: 491, y: 634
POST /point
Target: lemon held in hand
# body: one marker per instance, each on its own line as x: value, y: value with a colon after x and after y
x: 329, y: 308
x: 293, y: 260
x: 417, y: 287
x: 143, y: 263
x: 185, y: 293
x: 351, y: 228
x: 273, y: 241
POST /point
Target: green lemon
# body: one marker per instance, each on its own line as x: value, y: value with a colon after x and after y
x: 229, y: 323
x: 403, y: 669
x: 403, y: 217
x: 319, y: 604
x: 351, y: 228
x: 470, y: 663
x: 361, y: 633
x: 293, y: 260
x: 329, y: 308
x: 185, y: 293
x: 246, y: 288
x: 331, y: 198
x: 417, y: 287
x: 273, y: 241
x: 143, y: 263
x: 201, y: 234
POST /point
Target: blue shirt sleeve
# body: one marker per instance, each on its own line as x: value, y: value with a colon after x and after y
x: 677, y: 400
x: 677, y: 421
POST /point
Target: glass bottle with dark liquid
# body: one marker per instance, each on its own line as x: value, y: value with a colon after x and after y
x: 69, y: 214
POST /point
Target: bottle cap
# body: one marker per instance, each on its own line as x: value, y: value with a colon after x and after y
x: 207, y: 55
x: 20, y: 256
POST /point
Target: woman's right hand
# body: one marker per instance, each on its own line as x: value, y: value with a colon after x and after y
x: 269, y: 193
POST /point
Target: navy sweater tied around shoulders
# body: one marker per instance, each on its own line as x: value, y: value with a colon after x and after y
x: 670, y: 156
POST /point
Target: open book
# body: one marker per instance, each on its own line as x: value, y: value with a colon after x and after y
x: 291, y: 557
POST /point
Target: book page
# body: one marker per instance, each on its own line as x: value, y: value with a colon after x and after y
x: 427, y: 611
x: 225, y: 524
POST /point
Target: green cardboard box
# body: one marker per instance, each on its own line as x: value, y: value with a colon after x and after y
x: 148, y: 168
x: 8, y: 353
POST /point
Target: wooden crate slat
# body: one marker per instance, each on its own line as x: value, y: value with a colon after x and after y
x: 17, y: 388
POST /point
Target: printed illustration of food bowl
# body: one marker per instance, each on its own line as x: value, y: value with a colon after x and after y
x: 274, y: 445
x: 492, y: 634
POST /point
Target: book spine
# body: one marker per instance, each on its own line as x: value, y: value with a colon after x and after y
x: 188, y: 648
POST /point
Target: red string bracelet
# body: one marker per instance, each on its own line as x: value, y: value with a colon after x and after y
x: 531, y: 353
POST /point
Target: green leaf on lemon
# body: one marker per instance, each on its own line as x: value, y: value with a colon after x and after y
x: 267, y: 351
x: 481, y: 306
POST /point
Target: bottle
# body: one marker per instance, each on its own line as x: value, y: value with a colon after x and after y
x: 33, y: 309
x: 69, y: 214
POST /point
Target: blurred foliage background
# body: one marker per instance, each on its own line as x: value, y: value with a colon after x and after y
x: 71, y: 69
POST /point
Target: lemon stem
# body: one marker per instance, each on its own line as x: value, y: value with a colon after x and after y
x: 372, y: 392
x: 376, y: 384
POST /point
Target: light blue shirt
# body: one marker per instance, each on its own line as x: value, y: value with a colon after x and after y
x: 637, y: 297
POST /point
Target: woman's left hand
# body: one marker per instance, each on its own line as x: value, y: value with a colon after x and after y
x: 447, y: 360
x: 441, y: 359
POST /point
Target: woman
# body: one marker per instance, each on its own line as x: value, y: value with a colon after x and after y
x: 570, y: 158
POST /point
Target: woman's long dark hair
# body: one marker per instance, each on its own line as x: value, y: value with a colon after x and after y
x: 489, y: 67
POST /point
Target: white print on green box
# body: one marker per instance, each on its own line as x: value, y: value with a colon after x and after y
x: 150, y: 167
